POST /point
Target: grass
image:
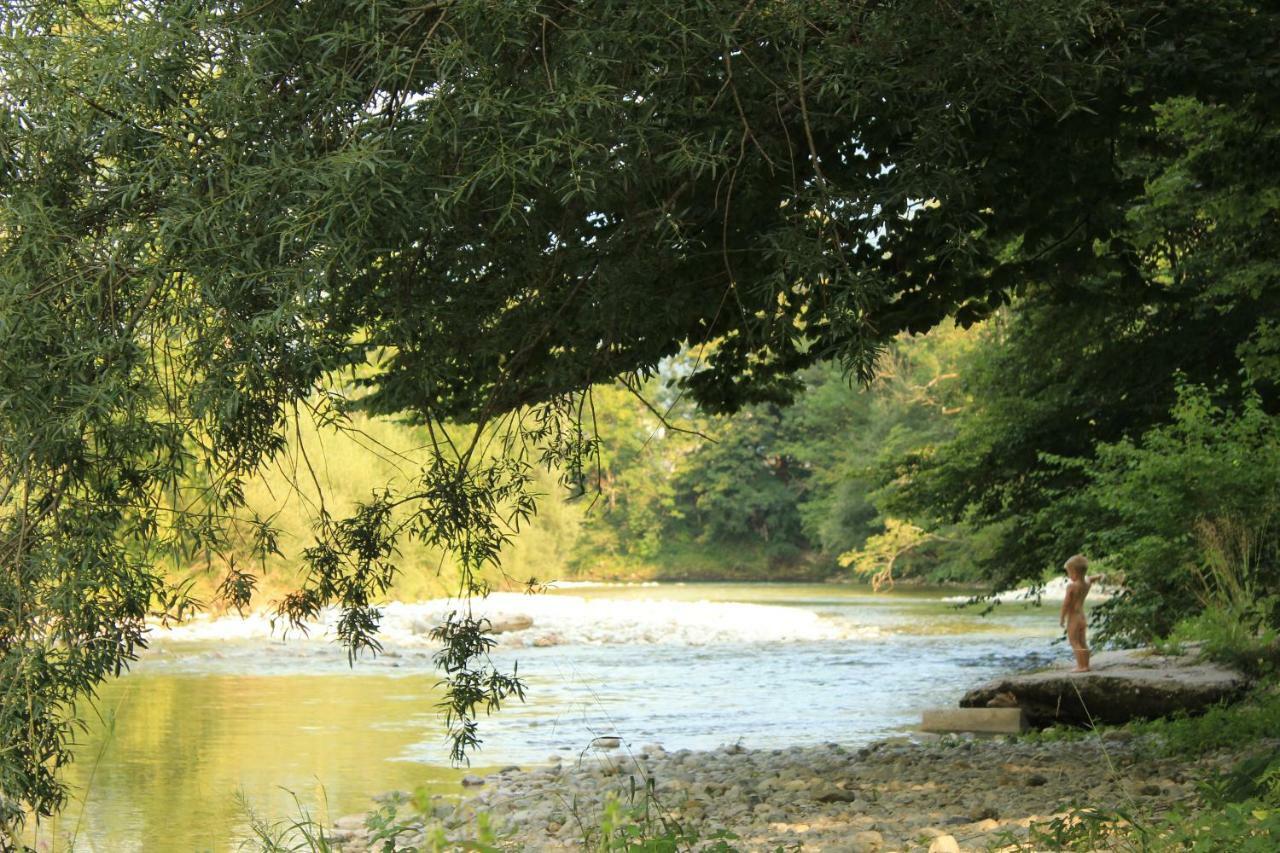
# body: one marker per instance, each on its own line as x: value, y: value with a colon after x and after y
x: 1239, y: 810
x: 635, y: 824
x: 1254, y: 718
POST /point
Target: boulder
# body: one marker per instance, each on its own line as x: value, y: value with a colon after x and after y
x: 507, y: 624
x: 827, y: 793
x: 1121, y: 686
x: 992, y: 720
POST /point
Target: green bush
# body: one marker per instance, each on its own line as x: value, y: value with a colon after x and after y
x: 1190, y: 513
x: 1255, y: 718
x: 1249, y: 645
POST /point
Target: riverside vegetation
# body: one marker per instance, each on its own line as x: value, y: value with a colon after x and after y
x: 554, y: 240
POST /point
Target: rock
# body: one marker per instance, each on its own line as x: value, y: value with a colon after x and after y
x: 989, y: 720
x: 606, y: 742
x: 1121, y: 686
x: 944, y: 844
x: 985, y: 813
x: 472, y: 781
x: 1003, y: 700
x: 1035, y: 780
x: 866, y: 841
x: 545, y: 640
x: 834, y: 795
x: 507, y: 624
x: 350, y: 823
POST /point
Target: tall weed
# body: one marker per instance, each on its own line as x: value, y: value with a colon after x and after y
x: 1239, y: 604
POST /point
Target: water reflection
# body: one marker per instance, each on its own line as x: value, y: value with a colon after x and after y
x: 165, y: 756
x: 162, y: 761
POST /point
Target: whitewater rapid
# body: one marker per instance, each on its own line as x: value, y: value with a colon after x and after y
x: 1054, y: 590
x: 553, y: 620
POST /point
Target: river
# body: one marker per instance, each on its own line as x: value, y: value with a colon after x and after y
x: 222, y: 718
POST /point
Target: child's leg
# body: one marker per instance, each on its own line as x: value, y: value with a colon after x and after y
x: 1079, y: 645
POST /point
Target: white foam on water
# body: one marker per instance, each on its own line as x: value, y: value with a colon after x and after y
x: 551, y: 620
x: 1054, y: 590
x: 606, y: 584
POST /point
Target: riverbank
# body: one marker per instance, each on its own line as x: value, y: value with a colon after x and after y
x: 911, y: 793
x: 693, y: 666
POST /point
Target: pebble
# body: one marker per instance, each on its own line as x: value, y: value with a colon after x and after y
x: 944, y: 844
x: 894, y: 795
x: 867, y: 841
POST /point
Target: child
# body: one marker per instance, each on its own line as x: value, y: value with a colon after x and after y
x: 1072, y: 615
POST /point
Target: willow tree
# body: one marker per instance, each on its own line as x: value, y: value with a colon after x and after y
x: 469, y: 212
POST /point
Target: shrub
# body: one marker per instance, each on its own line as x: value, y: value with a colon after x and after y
x: 1190, y: 513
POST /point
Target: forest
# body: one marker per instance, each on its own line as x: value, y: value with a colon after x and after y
x: 769, y: 493
x: 307, y: 306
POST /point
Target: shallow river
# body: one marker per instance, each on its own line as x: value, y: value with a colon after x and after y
x: 221, y: 719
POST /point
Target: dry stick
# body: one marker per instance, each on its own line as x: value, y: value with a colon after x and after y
x: 733, y: 89
x: 804, y: 117
x: 306, y: 458
x: 498, y: 428
x: 357, y: 434
x: 590, y: 397
x: 662, y: 418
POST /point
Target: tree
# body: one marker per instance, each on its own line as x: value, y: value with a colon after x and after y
x: 472, y: 211
x: 877, y: 558
x: 1083, y: 365
x: 743, y: 487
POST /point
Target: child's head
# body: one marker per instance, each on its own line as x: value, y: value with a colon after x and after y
x: 1075, y: 566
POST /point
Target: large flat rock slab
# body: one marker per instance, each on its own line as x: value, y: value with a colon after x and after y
x: 1121, y: 686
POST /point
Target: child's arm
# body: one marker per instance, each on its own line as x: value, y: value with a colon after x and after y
x: 1066, y: 607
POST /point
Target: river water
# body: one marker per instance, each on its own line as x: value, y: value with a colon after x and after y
x: 222, y: 718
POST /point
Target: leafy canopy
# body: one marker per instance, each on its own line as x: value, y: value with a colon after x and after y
x: 218, y: 216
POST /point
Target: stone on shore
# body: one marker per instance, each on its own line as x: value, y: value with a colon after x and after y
x: 944, y: 844
x: 983, y: 720
x: 1121, y: 686
x: 902, y: 794
x: 508, y: 624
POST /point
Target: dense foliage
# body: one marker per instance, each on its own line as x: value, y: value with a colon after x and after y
x: 217, y: 218
x: 770, y: 492
x: 1132, y: 415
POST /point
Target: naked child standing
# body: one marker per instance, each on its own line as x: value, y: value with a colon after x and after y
x: 1072, y: 616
